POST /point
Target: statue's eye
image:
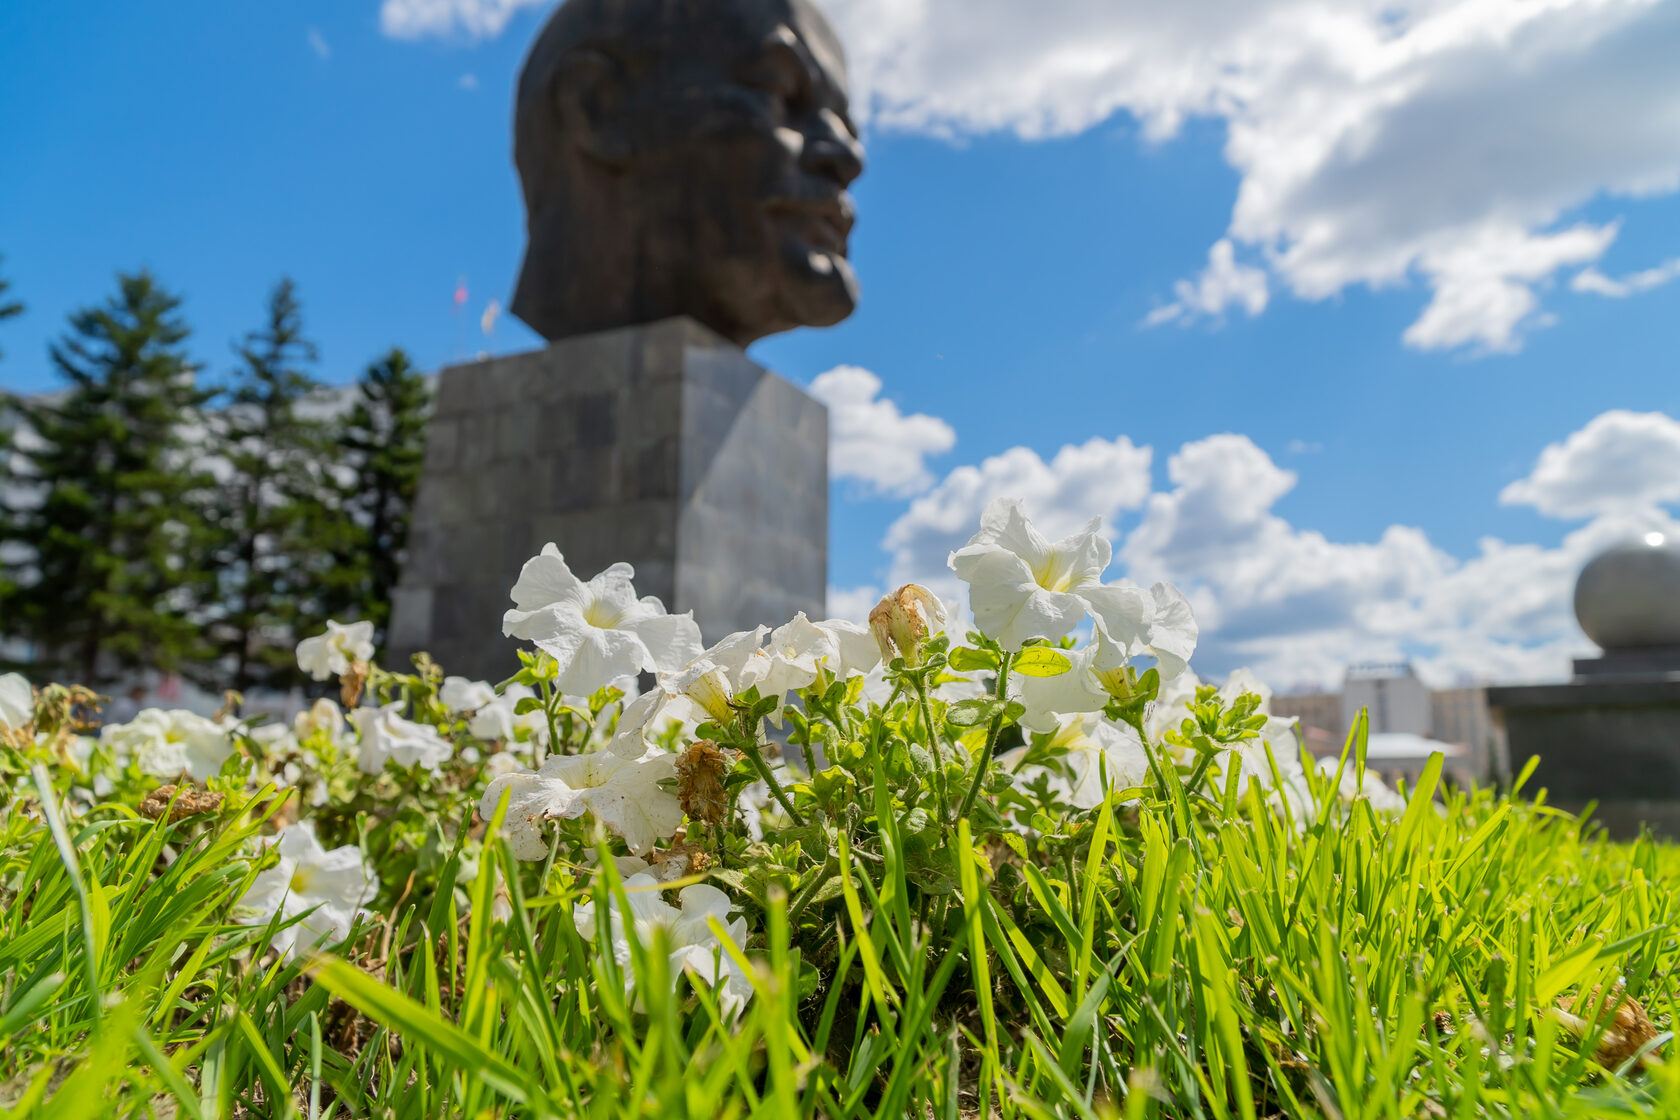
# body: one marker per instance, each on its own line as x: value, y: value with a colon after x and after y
x: 780, y: 72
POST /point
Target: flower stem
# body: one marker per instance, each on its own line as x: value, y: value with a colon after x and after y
x: 938, y: 755
x: 991, y: 739
x: 749, y: 744
x: 553, y: 731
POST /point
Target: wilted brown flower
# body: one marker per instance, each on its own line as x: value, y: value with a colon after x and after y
x: 190, y: 803
x: 679, y: 861
x: 903, y: 620
x: 700, y: 774
x: 351, y: 683
x: 1625, y: 1034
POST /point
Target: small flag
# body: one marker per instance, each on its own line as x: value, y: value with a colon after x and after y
x: 461, y: 291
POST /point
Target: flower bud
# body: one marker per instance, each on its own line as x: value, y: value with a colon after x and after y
x: 903, y: 621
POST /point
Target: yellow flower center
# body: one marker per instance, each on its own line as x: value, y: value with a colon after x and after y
x: 600, y: 615
x: 302, y: 878
x: 1053, y: 574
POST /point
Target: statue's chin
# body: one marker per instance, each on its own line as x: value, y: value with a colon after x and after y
x: 822, y: 289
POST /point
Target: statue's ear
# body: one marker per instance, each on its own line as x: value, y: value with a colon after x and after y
x: 588, y: 88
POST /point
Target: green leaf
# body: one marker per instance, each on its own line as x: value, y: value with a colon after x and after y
x: 973, y: 713
x: 527, y: 705
x: 1041, y: 661
x: 965, y: 659
x: 418, y: 1026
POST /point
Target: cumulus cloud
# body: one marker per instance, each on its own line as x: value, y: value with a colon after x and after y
x: 1594, y: 281
x: 1620, y: 462
x: 1377, y: 143
x: 1300, y: 607
x: 1291, y: 602
x: 871, y: 441
x: 476, y: 19
x: 853, y: 603
x: 1223, y: 283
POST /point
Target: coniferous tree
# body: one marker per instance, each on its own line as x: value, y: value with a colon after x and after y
x: 114, y: 467
x: 383, y: 441
x: 9, y: 309
x: 270, y: 506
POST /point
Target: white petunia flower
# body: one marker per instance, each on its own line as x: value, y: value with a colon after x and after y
x: 17, y: 701
x: 799, y: 648
x: 167, y: 744
x: 387, y: 736
x: 463, y: 694
x: 598, y: 631
x: 711, y: 680
x: 1092, y: 744
x: 323, y: 716
x: 333, y: 885
x: 693, y: 944
x: 492, y: 716
x: 330, y: 654
x: 1166, y: 630
x: 621, y: 791
x: 1022, y: 586
x: 1048, y: 699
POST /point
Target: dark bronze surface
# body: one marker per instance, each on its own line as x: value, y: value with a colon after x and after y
x: 685, y: 157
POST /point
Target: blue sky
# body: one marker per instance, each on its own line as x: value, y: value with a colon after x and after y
x: 1018, y: 225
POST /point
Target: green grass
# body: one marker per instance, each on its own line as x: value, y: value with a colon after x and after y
x: 1178, y: 955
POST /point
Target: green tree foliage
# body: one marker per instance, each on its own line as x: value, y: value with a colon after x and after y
x: 112, y: 519
x: 9, y: 308
x: 272, y: 510
x: 382, y: 440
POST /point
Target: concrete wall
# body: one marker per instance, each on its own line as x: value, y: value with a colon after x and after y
x: 660, y: 445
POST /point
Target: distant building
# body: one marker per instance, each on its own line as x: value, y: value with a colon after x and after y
x: 1393, y: 695
x: 1411, y: 719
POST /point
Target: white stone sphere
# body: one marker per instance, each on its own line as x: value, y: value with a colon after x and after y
x: 1628, y: 596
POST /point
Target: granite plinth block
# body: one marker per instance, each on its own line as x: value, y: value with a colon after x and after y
x: 660, y: 445
x: 1604, y: 739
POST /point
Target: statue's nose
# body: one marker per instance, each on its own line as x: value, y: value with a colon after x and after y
x: 831, y: 150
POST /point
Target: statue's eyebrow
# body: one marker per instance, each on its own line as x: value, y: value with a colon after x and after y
x: 785, y: 43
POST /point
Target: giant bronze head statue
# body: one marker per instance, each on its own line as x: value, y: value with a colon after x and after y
x: 685, y: 157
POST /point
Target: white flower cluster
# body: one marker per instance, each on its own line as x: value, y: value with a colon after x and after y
x: 328, y: 888
x: 1022, y: 588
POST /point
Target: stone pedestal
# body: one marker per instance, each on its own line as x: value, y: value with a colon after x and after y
x: 660, y: 445
x: 1612, y: 734
x: 1600, y: 738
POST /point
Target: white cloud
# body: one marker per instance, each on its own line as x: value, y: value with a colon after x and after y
x: 318, y: 43
x: 1594, y: 281
x: 1484, y: 283
x: 1376, y: 141
x: 1296, y: 605
x: 1620, y: 462
x: 1300, y: 607
x: 477, y: 19
x: 468, y: 81
x: 853, y: 603
x: 871, y: 441
x: 1099, y: 478
x: 1223, y: 283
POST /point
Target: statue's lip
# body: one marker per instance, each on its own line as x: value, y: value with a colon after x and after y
x: 828, y: 217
